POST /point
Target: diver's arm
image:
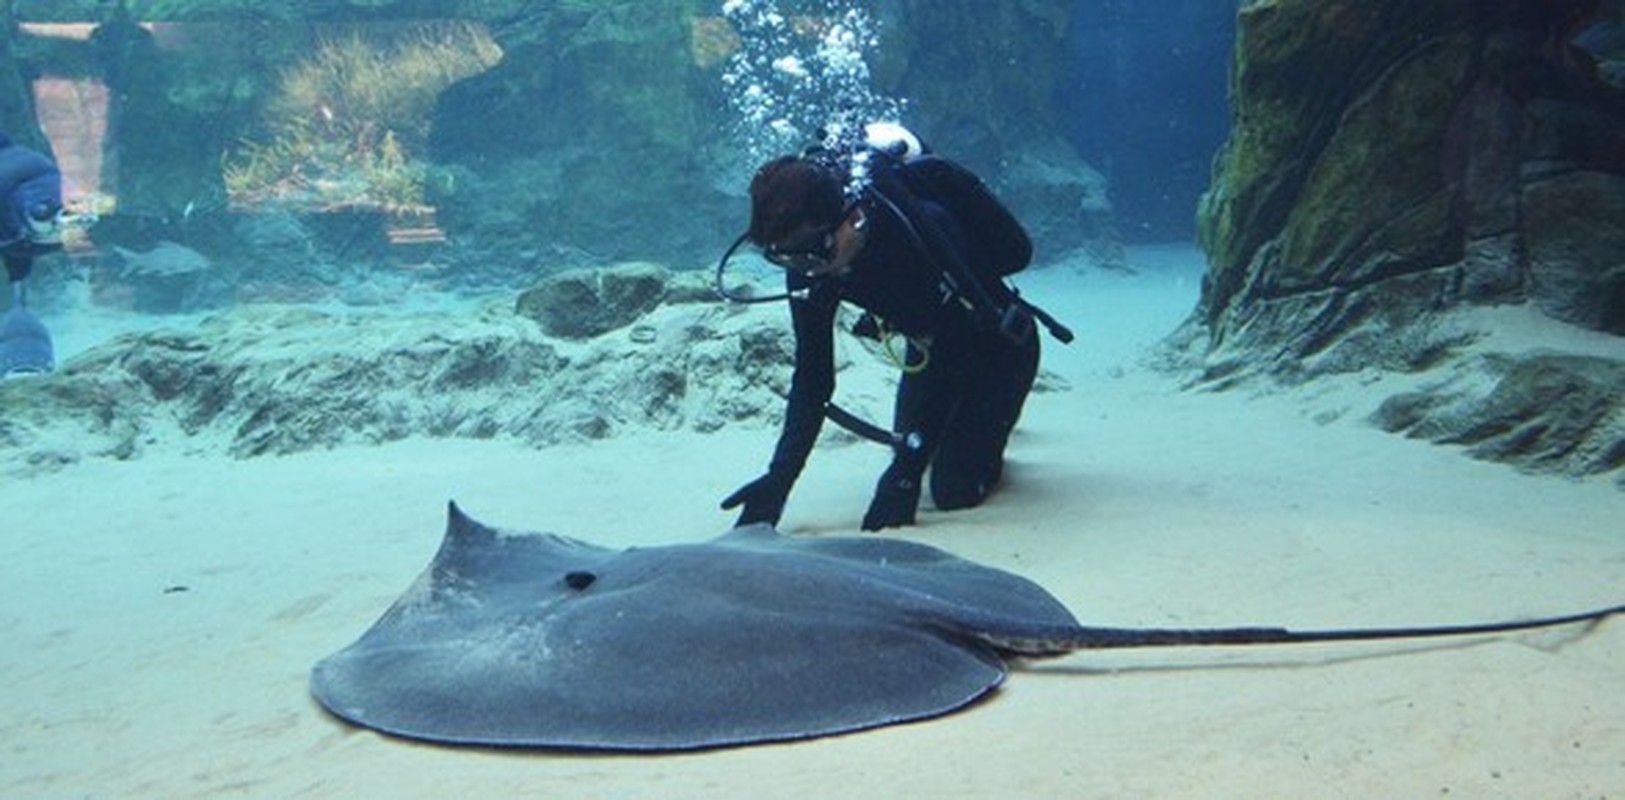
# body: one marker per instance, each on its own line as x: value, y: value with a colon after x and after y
x: 813, y: 318
x: 813, y: 381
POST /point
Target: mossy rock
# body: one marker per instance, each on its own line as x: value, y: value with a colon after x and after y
x: 582, y: 303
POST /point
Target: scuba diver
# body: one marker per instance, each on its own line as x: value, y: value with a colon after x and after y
x: 30, y: 226
x: 921, y: 246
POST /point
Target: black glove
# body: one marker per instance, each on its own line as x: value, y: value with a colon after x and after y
x: 762, y: 498
x: 896, y: 499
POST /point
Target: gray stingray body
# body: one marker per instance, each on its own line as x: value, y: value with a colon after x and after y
x: 539, y: 640
x: 25, y: 344
x: 536, y: 640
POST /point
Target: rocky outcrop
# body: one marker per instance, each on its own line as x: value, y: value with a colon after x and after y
x: 1064, y: 204
x: 1449, y: 151
x: 1393, y: 163
x: 280, y: 379
x: 164, y: 111
x: 582, y: 303
x: 1558, y: 413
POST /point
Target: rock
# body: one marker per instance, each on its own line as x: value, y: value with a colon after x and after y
x: 166, y: 260
x: 1446, y: 156
x: 166, y: 279
x: 579, y: 304
x: 1553, y: 413
x: 603, y: 130
x: 57, y: 419
x: 1063, y: 204
x: 270, y: 380
x: 1406, y: 173
x: 1576, y: 248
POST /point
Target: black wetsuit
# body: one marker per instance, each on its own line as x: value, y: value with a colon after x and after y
x: 961, y: 406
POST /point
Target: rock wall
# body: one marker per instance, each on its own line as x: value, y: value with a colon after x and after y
x: 604, y: 133
x: 1414, y: 155
x: 1393, y: 163
x: 593, y: 140
x: 985, y: 84
x: 165, y: 111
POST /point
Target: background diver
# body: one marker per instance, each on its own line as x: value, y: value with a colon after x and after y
x: 30, y: 226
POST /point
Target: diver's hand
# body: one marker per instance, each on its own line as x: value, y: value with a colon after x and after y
x: 762, y: 498
x: 895, y: 502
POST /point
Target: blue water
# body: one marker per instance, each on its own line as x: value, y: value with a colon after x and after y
x: 1148, y: 106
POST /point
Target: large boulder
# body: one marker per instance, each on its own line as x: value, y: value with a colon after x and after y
x: 1452, y: 150
x: 583, y: 303
x: 596, y: 130
x: 1559, y: 413
x: 1394, y: 164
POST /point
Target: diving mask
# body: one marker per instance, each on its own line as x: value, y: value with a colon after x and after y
x: 44, y: 221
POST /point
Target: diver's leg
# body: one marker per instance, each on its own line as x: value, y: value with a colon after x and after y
x: 969, y: 460
x: 925, y: 401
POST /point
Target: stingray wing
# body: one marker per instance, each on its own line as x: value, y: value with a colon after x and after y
x: 744, y: 639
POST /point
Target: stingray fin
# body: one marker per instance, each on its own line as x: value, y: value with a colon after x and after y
x: 460, y: 526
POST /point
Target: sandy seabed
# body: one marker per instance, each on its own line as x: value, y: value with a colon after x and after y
x: 160, y: 616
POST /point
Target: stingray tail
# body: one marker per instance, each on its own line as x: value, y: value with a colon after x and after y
x: 1090, y: 638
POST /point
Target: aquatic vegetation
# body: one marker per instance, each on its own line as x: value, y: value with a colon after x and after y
x: 711, y: 41
x: 349, y: 123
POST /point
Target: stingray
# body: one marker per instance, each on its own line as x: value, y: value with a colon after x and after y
x: 520, y: 639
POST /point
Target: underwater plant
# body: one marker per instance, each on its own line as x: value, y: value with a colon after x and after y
x: 350, y: 122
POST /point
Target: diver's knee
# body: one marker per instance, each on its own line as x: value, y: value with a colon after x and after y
x: 961, y: 494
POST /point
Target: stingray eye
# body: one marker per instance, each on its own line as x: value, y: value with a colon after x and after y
x: 579, y: 580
